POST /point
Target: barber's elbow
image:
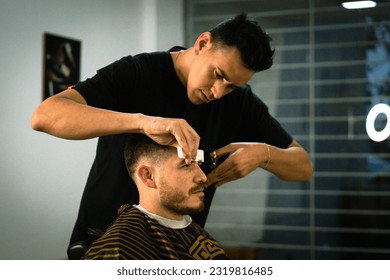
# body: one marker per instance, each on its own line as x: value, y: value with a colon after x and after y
x: 307, y: 172
x: 303, y: 172
x: 37, y: 120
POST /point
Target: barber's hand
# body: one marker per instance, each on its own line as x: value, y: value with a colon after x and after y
x: 243, y: 159
x: 173, y: 132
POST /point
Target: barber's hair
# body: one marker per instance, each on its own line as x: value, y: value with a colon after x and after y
x: 249, y: 38
x: 138, y: 146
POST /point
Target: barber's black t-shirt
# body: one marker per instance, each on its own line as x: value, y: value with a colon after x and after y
x: 147, y: 84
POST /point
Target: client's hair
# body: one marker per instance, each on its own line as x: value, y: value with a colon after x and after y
x: 140, y: 145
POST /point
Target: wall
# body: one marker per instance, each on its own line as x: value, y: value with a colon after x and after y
x: 42, y: 177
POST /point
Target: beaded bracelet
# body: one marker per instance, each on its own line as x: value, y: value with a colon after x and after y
x: 269, y: 156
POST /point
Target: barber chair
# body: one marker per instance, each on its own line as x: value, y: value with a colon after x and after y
x: 76, y: 251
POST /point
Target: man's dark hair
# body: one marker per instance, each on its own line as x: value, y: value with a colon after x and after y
x: 249, y: 38
x: 140, y: 145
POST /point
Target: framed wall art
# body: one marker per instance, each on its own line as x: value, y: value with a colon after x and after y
x: 61, y: 65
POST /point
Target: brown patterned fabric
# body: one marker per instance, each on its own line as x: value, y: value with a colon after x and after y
x: 136, y: 236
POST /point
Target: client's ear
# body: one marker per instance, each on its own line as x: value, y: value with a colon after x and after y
x: 145, y: 174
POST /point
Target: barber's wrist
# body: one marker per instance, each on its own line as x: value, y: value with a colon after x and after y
x: 137, y: 122
x: 267, y: 156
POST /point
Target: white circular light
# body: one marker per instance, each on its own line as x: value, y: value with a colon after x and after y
x: 378, y: 136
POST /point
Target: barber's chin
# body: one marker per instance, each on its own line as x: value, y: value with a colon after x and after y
x: 197, y: 98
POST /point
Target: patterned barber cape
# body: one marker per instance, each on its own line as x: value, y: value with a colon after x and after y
x: 137, y: 235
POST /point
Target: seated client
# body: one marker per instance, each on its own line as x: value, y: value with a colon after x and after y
x: 160, y: 226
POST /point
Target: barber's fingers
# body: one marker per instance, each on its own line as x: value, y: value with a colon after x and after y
x: 243, y: 159
x: 226, y: 150
x: 174, y: 132
x: 186, y: 137
x: 221, y: 175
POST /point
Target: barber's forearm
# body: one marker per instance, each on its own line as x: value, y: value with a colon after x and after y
x: 291, y: 164
x: 67, y: 116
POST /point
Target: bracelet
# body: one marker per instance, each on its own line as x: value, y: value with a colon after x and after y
x: 269, y: 156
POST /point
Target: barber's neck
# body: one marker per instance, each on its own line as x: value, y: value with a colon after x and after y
x: 181, y: 61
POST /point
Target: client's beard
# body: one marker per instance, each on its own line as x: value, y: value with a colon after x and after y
x: 175, y: 202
